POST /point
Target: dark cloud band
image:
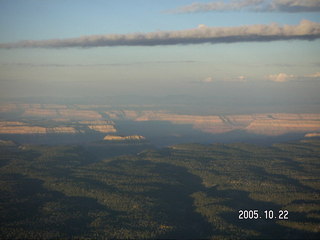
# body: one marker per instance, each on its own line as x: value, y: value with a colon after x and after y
x: 305, y: 30
x: 289, y: 6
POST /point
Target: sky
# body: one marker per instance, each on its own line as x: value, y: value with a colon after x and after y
x: 82, y: 48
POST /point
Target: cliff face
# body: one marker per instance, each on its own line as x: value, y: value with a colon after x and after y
x: 100, y: 126
x: 317, y: 134
x: 8, y: 127
x: 71, y: 114
x: 279, y: 126
x: 50, y: 111
x: 69, y: 130
x: 103, y: 128
x: 79, y: 114
x: 266, y: 124
x: 35, y: 130
x: 82, y: 118
x: 32, y: 112
x: 120, y: 138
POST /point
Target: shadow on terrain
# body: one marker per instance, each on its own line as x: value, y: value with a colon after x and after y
x: 267, y: 228
x: 169, y: 187
x: 282, y: 179
x: 28, y: 210
x: 165, y: 133
x: 175, y: 200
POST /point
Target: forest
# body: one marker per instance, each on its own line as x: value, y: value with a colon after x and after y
x: 134, y: 191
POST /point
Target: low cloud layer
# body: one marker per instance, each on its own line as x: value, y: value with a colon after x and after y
x: 211, y: 79
x: 305, y: 30
x: 289, y: 6
x: 95, y: 65
x: 314, y: 75
x: 281, y: 77
x: 277, y: 78
x: 208, y: 80
x: 284, y: 77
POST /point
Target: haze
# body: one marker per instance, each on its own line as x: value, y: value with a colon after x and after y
x: 242, y: 53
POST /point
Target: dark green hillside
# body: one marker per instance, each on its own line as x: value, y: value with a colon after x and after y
x: 184, y: 191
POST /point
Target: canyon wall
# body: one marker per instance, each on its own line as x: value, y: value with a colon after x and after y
x: 82, y: 118
x: 15, y: 127
x: 123, y: 138
x: 266, y: 124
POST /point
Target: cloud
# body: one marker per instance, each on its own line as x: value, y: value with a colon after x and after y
x: 314, y: 75
x: 281, y: 77
x: 94, y: 65
x: 217, y: 6
x: 305, y: 30
x: 207, y: 80
x: 242, y: 78
x: 284, y: 77
x: 210, y: 79
x: 289, y: 6
x: 295, y: 6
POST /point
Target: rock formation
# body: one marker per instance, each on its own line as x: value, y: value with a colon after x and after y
x: 265, y: 124
x: 317, y: 134
x: 7, y: 127
x: 124, y: 138
x: 103, y: 128
x: 79, y: 118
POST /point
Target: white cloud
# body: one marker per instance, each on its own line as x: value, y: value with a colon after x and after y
x: 210, y: 79
x: 242, y: 78
x: 314, y: 75
x: 207, y: 80
x: 305, y: 30
x: 280, y: 77
x: 284, y: 77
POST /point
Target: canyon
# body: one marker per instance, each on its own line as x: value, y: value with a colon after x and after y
x: 271, y: 124
x: 21, y: 118
x: 27, y: 127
